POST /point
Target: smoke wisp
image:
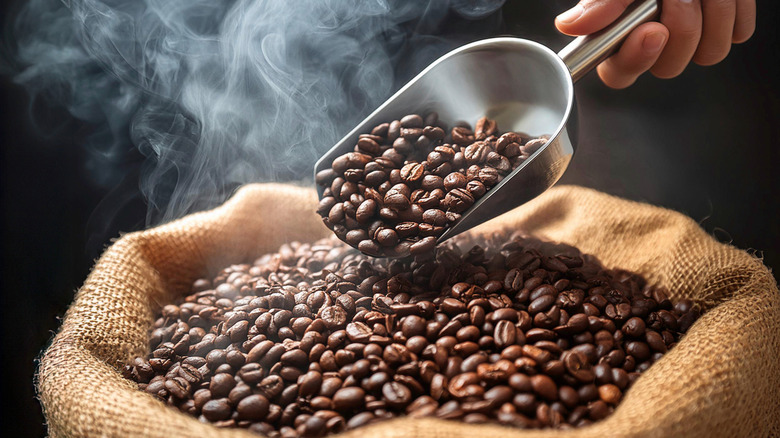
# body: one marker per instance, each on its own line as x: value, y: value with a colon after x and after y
x: 215, y: 93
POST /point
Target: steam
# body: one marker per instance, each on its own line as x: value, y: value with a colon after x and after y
x: 220, y: 93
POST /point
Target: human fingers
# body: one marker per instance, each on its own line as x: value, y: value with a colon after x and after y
x: 683, y: 18
x: 638, y: 53
x: 745, y: 21
x: 717, y: 31
x: 589, y: 16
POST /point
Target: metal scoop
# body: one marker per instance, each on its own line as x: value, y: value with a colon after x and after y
x: 524, y: 86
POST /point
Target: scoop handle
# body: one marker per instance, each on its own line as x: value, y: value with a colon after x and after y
x: 586, y: 52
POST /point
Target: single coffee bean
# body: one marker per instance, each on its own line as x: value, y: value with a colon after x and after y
x: 216, y: 410
x: 369, y: 146
x: 412, y: 121
x: 459, y: 200
x: 655, y: 341
x: 504, y: 334
x: 253, y: 408
x: 454, y: 180
x: 407, y: 229
x: 610, y: 394
x: 544, y: 386
x: 462, y: 135
x: 386, y: 237
x: 476, y: 153
x: 358, y: 332
x: 533, y: 145
x: 485, y: 127
x: 366, y: 211
x: 489, y: 176
x: 221, y: 384
x: 412, y: 172
x: 435, y: 217
x: 396, y: 394
x: 423, y: 246
x: 309, y: 384
x: 476, y: 188
x: 348, y: 399
x: 639, y: 350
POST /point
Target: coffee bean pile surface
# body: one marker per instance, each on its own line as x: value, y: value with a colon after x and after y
x: 317, y: 338
x: 408, y: 180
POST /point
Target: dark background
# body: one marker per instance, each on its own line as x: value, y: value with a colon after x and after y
x: 705, y: 144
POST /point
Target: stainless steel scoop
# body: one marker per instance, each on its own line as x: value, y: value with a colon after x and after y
x: 524, y: 86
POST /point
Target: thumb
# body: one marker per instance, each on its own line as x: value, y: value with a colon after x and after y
x: 589, y: 16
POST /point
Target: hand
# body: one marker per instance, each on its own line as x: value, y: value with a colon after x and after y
x: 698, y: 30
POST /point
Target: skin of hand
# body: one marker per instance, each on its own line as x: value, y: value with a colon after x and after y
x: 701, y: 31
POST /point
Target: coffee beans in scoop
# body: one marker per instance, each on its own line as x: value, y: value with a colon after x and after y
x: 318, y: 339
x: 406, y: 181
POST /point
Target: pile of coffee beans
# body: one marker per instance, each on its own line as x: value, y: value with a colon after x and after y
x: 408, y: 180
x: 317, y: 338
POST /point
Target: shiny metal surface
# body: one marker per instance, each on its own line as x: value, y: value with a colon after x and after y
x: 586, y: 52
x: 522, y: 85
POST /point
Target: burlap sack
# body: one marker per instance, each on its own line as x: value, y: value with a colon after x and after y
x: 723, y: 379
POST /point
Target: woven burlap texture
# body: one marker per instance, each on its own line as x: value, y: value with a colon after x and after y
x: 722, y: 379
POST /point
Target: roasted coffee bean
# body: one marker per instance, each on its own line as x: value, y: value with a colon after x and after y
x: 656, y: 341
x: 489, y: 176
x: 407, y: 229
x: 476, y: 153
x: 610, y: 394
x: 568, y: 396
x: 544, y: 386
x: 253, y: 408
x: 435, y: 217
x: 348, y: 399
x: 412, y: 172
x: 309, y: 383
x: 432, y: 182
x: 412, y: 121
x: 396, y: 394
x: 423, y: 246
x: 381, y: 130
x: 455, y: 180
x: 634, y: 327
x: 413, y: 325
x: 221, y: 384
x: 318, y: 339
x: 639, y: 350
x: 458, y: 200
x: 462, y: 385
x: 297, y: 358
x: 462, y: 135
x: 500, y: 371
x: 178, y: 387
x: 386, y: 237
x: 476, y: 188
x: 359, y: 332
x: 505, y: 141
x: 504, y: 334
x: 541, y: 304
x: 533, y: 145
x: 498, y: 162
x: 390, y: 155
x: 366, y: 211
x: 216, y: 410
x: 369, y: 146
x: 187, y: 371
x: 485, y: 127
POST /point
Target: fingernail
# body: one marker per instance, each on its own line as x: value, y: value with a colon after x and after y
x: 571, y: 15
x: 653, y: 42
